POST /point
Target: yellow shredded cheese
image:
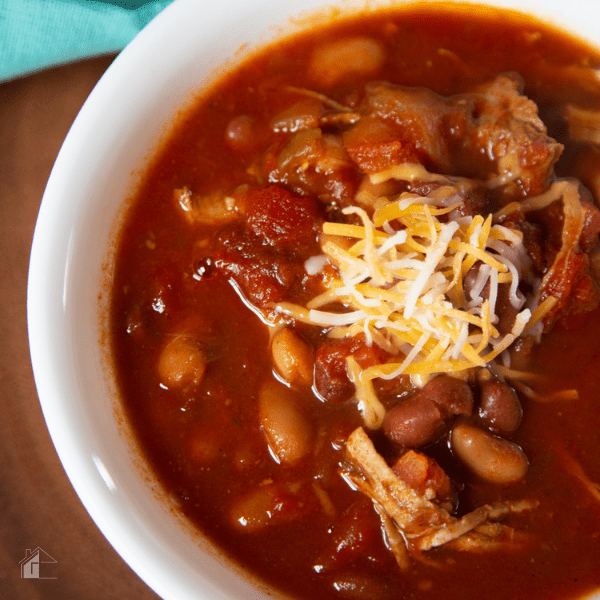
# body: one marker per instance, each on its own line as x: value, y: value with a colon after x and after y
x: 552, y: 194
x: 401, y: 284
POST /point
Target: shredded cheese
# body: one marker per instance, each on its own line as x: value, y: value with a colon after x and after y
x: 401, y: 283
x: 555, y: 192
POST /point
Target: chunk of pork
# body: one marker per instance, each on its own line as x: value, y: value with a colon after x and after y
x: 413, y: 523
x: 492, y: 134
x: 569, y: 278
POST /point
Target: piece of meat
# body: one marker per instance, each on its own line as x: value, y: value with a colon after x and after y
x: 215, y: 208
x: 568, y: 277
x: 374, y: 146
x: 412, y: 116
x: 509, y: 129
x: 492, y: 134
x: 423, y: 525
x: 315, y: 163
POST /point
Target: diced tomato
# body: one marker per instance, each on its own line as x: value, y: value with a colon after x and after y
x: 422, y: 472
x: 331, y: 379
x: 353, y: 535
x: 281, y: 219
x: 375, y: 147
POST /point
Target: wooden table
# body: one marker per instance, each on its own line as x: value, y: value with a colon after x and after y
x: 38, y: 506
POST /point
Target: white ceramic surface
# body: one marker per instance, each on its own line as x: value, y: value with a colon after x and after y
x: 122, y: 121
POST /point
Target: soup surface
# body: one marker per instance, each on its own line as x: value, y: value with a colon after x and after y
x: 354, y: 314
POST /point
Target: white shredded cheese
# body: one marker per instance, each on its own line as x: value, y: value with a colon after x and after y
x: 315, y: 264
x: 432, y: 258
x: 401, y: 284
x: 327, y: 319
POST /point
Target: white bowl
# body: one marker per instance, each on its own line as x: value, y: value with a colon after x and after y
x: 119, y: 127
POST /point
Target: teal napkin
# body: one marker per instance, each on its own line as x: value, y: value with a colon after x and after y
x: 37, y: 34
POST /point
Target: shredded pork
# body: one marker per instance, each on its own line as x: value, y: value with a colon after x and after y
x: 413, y: 523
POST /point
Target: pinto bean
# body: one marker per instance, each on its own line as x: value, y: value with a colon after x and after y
x: 181, y: 362
x: 413, y: 423
x: 334, y: 61
x: 286, y: 427
x: 499, y: 406
x: 240, y: 134
x: 204, y: 447
x: 247, y: 456
x: 452, y: 396
x: 260, y: 506
x: 293, y: 356
x: 302, y: 115
x: 490, y: 457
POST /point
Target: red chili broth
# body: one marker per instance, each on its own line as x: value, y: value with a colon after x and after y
x: 195, y: 443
